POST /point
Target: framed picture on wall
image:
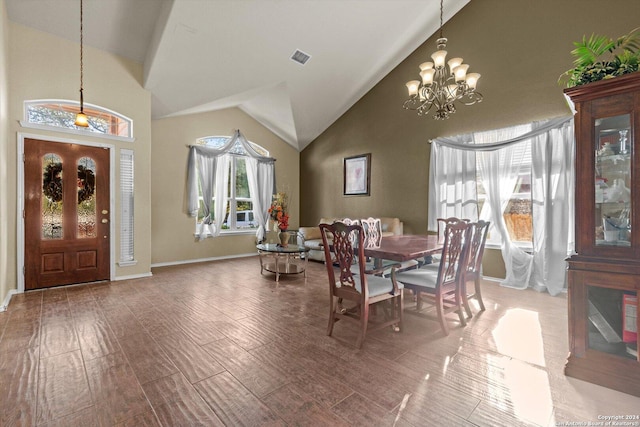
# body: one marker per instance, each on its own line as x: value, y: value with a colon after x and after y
x: 357, y: 175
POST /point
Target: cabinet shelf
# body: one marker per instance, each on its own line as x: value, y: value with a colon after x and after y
x: 613, y: 158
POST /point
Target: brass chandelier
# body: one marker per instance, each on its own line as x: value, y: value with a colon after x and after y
x: 442, y: 86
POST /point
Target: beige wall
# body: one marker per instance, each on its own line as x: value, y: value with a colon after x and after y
x: 520, y: 47
x: 42, y: 66
x: 7, y: 271
x: 172, y: 229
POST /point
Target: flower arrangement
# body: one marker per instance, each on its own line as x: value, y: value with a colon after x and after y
x: 278, y: 210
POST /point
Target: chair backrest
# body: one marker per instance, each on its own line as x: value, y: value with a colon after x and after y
x: 480, y: 230
x: 372, y: 228
x: 442, y: 225
x: 345, y: 245
x: 348, y: 221
x: 454, y: 253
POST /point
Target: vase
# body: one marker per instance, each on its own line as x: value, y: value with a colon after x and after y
x: 284, y: 238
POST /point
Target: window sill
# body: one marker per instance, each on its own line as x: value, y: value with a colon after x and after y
x: 527, y: 247
x: 231, y: 233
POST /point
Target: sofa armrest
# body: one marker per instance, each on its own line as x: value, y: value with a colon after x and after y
x: 392, y: 226
x: 309, y: 233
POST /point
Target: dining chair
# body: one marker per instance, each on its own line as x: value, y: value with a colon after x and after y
x: 443, y: 222
x: 473, y: 270
x: 373, y: 238
x: 360, y: 291
x: 433, y: 261
x: 443, y: 285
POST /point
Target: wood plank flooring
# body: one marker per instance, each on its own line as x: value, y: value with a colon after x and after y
x: 218, y: 344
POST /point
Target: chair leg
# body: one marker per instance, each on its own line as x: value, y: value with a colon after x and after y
x: 400, y: 303
x: 458, y: 299
x: 441, y: 318
x: 479, y: 294
x: 332, y: 319
x: 465, y: 300
x: 364, y: 319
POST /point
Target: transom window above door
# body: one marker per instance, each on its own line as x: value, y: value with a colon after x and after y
x: 59, y: 115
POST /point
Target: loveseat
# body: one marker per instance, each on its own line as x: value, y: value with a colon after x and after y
x: 312, y: 239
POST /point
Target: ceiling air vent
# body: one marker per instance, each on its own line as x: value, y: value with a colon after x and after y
x: 300, y: 57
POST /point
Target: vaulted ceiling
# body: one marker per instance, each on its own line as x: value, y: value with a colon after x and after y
x: 203, y: 55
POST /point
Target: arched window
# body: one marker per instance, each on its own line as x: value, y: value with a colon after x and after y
x: 60, y: 115
x: 239, y: 212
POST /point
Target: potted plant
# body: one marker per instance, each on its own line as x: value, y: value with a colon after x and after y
x: 599, y: 57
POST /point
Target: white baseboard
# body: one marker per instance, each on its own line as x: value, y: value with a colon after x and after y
x: 7, y: 299
x: 193, y: 261
x: 133, y: 276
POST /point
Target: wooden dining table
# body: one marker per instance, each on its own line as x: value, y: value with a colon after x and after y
x: 404, y: 248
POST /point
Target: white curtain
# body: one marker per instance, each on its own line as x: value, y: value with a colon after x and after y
x: 452, y: 183
x: 211, y: 167
x: 499, y: 170
x: 499, y: 167
x: 221, y: 192
x: 207, y: 166
x: 552, y: 193
x: 261, y: 185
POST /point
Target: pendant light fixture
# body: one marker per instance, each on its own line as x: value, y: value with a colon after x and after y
x: 441, y: 86
x: 81, y: 117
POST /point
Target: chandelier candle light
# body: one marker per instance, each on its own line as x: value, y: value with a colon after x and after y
x: 441, y: 86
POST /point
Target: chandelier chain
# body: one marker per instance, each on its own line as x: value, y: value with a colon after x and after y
x: 440, y: 18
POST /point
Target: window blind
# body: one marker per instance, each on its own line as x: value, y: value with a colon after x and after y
x: 126, y: 208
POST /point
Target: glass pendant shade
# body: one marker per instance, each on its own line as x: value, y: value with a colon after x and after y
x: 426, y: 66
x: 412, y: 86
x: 438, y: 58
x: 472, y: 80
x: 453, y: 63
x: 427, y: 76
x: 461, y: 72
x: 82, y: 120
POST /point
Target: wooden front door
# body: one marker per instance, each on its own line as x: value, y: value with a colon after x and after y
x: 66, y: 215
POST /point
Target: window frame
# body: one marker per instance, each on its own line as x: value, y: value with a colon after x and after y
x: 494, y: 240
x: 74, y: 106
x: 217, y: 141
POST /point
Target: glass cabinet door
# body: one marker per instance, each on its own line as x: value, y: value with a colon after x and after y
x: 613, y: 153
x: 612, y: 326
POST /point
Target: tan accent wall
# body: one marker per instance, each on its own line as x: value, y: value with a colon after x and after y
x: 520, y: 47
x: 172, y: 229
x: 7, y: 258
x: 42, y: 66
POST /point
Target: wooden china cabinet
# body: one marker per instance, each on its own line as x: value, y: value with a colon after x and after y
x: 604, y: 274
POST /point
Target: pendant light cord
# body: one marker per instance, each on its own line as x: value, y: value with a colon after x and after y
x: 81, y: 57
